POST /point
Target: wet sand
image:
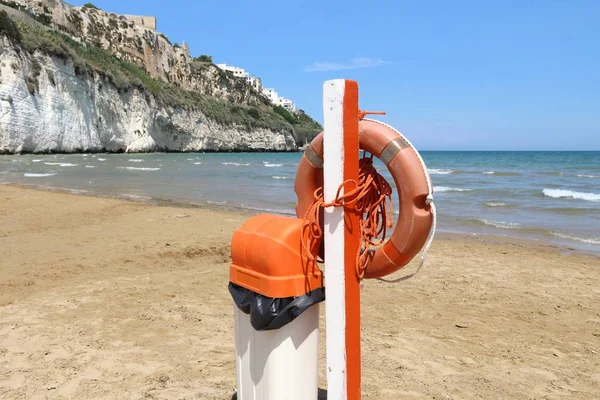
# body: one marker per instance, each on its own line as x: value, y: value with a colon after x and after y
x: 105, y: 298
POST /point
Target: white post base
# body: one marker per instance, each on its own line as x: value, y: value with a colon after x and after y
x: 278, y: 364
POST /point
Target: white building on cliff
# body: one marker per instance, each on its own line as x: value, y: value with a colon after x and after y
x: 237, y: 72
x: 278, y: 100
x: 257, y: 85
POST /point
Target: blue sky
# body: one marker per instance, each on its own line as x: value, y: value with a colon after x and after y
x: 463, y: 75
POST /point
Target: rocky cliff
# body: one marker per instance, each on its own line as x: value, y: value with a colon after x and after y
x: 145, y: 47
x: 58, y: 95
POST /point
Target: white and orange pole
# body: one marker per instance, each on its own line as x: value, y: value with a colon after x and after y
x: 342, y: 285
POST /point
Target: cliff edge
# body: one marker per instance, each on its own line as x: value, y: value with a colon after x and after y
x: 59, y: 93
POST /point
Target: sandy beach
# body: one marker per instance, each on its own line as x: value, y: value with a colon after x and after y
x: 110, y: 299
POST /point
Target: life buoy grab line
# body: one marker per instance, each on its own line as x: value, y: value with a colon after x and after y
x: 413, y: 228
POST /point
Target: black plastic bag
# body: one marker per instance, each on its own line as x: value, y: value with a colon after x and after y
x: 268, y: 313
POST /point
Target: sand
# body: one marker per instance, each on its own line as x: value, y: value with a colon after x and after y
x: 105, y: 298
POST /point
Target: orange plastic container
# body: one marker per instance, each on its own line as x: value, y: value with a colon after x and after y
x: 267, y: 258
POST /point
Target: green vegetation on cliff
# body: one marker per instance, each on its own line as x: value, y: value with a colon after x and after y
x: 88, y: 59
x: 9, y: 28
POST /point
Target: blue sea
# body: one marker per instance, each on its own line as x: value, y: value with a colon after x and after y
x: 547, y: 196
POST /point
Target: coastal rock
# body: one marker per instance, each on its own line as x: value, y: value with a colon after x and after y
x: 60, y: 111
x: 143, y: 144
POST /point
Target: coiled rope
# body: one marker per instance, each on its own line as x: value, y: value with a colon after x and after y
x: 371, y: 198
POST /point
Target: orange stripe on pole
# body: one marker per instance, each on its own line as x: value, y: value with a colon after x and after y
x: 351, y: 243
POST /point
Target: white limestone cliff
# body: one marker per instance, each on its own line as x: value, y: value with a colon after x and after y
x: 76, y: 113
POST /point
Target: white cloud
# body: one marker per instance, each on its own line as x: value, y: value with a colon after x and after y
x: 356, y: 63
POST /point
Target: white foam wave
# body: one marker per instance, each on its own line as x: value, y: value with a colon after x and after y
x: 135, y: 197
x: 52, y: 163
x: 197, y: 163
x: 577, y: 239
x: 588, y: 176
x: 76, y: 191
x: 500, y: 224
x: 435, y: 171
x: 102, y: 159
x: 495, y: 204
x: 280, y: 177
x: 139, y: 169
x: 442, y: 189
x: 216, y: 202
x: 67, y: 165
x: 36, y: 160
x: 30, y: 175
x: 135, y: 160
x: 90, y: 166
x: 236, y: 164
x: 268, y: 164
x: 502, y: 173
x: 561, y: 193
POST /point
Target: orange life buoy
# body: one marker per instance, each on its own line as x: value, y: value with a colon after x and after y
x: 412, y: 181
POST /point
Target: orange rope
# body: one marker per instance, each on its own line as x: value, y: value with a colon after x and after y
x: 371, y: 197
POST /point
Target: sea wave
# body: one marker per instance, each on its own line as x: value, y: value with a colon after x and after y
x: 76, y: 191
x: 30, y: 175
x: 102, y: 159
x: 577, y: 239
x: 139, y: 169
x: 236, y: 164
x: 280, y: 177
x: 135, y: 197
x: 435, y: 171
x: 135, y: 160
x: 197, y: 163
x: 566, y: 210
x: 52, y: 163
x: 268, y: 164
x: 502, y: 173
x: 495, y: 204
x: 90, y: 166
x: 36, y: 160
x: 551, y: 173
x: 561, y: 193
x: 67, y: 165
x: 216, y: 202
x: 588, y: 176
x: 499, y: 224
x: 442, y: 189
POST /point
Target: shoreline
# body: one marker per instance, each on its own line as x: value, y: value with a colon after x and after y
x: 103, y: 151
x: 440, y: 234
